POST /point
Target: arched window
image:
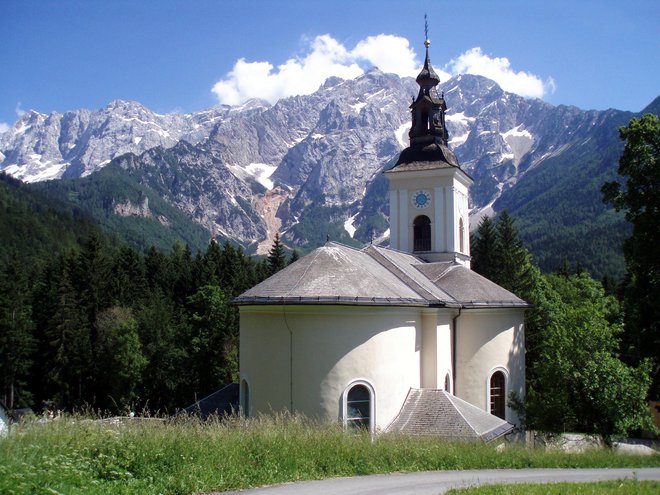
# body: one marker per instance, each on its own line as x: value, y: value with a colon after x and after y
x: 245, y: 399
x: 461, y: 235
x: 358, y: 399
x: 498, y: 394
x: 422, y: 233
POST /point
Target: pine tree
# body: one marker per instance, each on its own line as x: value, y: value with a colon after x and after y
x: 515, y: 270
x: 295, y: 256
x: 486, y: 249
x: 276, y: 255
x: 70, y: 363
x: 17, y: 343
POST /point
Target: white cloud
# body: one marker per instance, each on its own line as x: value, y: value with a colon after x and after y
x: 326, y: 57
x: 303, y: 75
x: 4, y: 127
x: 474, y: 61
x: 389, y: 53
x: 19, y: 111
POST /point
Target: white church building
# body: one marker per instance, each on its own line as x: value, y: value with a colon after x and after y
x: 406, y: 338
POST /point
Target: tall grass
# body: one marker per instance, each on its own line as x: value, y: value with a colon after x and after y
x: 76, y: 455
x: 619, y: 487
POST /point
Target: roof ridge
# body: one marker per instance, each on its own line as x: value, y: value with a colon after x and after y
x: 486, y: 434
x: 398, y: 273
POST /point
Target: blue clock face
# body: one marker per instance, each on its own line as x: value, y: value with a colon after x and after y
x: 421, y: 199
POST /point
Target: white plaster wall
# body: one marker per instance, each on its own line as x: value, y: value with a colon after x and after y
x: 449, y: 192
x: 444, y: 343
x: 486, y: 339
x: 332, y: 346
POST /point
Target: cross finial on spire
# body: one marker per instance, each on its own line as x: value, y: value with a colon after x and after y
x: 426, y: 32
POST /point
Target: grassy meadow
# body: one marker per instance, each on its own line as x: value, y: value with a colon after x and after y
x: 620, y: 487
x: 76, y: 455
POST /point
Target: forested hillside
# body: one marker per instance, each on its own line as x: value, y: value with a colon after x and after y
x: 129, y: 209
x: 33, y: 227
x: 110, y: 328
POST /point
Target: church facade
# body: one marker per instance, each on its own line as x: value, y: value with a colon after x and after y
x: 405, y: 338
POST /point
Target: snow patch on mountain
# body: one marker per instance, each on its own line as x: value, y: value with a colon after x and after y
x: 262, y: 172
x: 39, y: 170
x: 520, y: 142
x: 401, y: 135
x: 349, y: 227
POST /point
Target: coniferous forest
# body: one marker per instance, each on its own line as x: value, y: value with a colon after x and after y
x: 101, y: 325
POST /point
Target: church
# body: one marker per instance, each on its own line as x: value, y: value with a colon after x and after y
x: 406, y: 338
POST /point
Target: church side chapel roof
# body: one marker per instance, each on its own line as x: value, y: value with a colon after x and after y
x: 438, y: 413
x: 339, y: 274
x: 333, y: 274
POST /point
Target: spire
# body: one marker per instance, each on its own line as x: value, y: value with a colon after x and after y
x: 428, y: 110
x: 427, y: 77
x: 428, y: 133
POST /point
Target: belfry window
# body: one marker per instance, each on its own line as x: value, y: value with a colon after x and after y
x: 422, y: 233
x: 498, y: 394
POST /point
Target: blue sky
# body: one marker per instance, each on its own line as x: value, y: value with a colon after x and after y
x: 176, y: 55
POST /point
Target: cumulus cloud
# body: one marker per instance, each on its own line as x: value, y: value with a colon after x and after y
x: 326, y: 57
x: 19, y: 111
x: 389, y: 53
x: 4, y: 127
x: 474, y: 61
x: 303, y: 75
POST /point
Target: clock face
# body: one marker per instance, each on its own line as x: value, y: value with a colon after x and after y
x: 421, y: 199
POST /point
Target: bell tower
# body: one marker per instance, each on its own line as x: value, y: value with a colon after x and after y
x: 428, y: 190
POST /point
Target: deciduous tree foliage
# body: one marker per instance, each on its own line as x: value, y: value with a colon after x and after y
x: 575, y: 379
x: 639, y: 198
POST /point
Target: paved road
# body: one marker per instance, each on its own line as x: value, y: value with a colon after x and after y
x: 437, y: 482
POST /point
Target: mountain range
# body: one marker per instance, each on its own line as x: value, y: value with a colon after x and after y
x: 311, y: 166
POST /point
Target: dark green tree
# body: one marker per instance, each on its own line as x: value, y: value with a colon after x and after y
x: 119, y: 360
x: 515, y: 270
x: 70, y: 360
x: 164, y: 377
x: 276, y: 255
x: 486, y: 250
x: 639, y: 198
x: 295, y: 256
x: 213, y: 341
x: 17, y: 342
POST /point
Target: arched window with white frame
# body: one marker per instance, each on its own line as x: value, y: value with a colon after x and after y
x: 497, y: 387
x: 358, y: 401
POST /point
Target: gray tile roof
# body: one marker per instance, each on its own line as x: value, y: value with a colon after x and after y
x: 438, y: 413
x: 333, y: 274
x: 339, y: 274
